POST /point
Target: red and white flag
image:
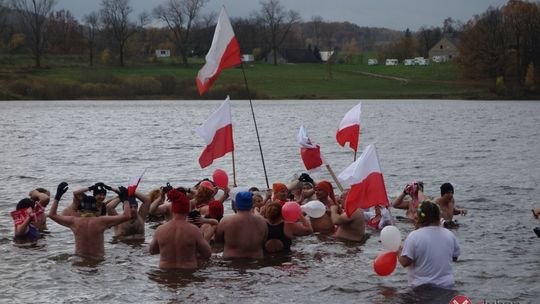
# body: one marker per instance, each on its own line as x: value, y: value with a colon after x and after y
x: 349, y: 128
x: 224, y: 53
x: 366, y: 180
x: 310, y: 153
x: 217, y: 133
x: 133, y: 182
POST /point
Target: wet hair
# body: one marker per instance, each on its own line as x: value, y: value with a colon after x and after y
x: 273, y: 211
x: 204, y: 194
x: 25, y: 203
x: 446, y: 187
x: 42, y: 190
x: 253, y: 189
x: 153, y: 194
x: 428, y: 214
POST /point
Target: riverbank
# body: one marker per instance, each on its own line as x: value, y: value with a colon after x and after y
x: 70, y: 77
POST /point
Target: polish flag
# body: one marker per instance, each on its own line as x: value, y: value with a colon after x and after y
x: 349, y: 128
x: 133, y: 182
x: 224, y: 53
x: 310, y: 153
x: 217, y: 133
x: 365, y: 178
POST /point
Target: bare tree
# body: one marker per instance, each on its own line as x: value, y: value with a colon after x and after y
x: 3, y: 14
x: 91, y: 22
x: 277, y: 23
x: 180, y: 16
x: 114, y: 16
x: 34, y: 18
x: 317, y: 22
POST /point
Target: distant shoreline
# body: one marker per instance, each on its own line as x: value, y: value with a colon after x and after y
x: 70, y: 78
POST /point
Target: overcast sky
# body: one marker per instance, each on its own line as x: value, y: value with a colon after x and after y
x: 393, y: 14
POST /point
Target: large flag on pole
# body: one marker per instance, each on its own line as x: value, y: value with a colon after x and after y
x: 310, y: 153
x: 217, y: 133
x: 349, y: 128
x: 224, y: 53
x: 366, y: 180
x: 133, y: 182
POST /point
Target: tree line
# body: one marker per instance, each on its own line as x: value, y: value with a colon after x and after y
x: 502, y: 43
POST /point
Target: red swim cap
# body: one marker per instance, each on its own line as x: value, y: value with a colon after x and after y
x: 180, y: 202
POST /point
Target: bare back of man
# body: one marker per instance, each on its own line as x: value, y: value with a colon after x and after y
x: 323, y: 224
x: 243, y: 235
x: 88, y: 231
x: 179, y: 244
x: 349, y: 228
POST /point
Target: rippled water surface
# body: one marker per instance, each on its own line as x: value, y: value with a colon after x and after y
x: 488, y: 150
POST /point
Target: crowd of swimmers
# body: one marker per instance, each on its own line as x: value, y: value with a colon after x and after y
x: 191, y: 219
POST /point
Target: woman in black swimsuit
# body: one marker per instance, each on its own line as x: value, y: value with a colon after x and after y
x: 281, y: 233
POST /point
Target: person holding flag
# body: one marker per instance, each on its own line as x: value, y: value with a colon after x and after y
x: 350, y: 228
x: 365, y: 178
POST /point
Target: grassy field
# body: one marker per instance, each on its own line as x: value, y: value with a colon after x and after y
x: 70, y: 77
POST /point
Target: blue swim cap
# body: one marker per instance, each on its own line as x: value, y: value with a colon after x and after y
x: 244, y: 200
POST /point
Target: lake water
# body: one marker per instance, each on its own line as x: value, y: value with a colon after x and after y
x: 488, y: 150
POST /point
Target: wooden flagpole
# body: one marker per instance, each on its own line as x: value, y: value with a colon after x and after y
x: 233, y: 170
x: 256, y: 129
x: 334, y: 177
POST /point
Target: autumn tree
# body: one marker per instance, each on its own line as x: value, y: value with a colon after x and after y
x: 276, y: 23
x: 522, y: 18
x: 33, y: 16
x: 180, y: 16
x: 483, y: 49
x: 65, y: 34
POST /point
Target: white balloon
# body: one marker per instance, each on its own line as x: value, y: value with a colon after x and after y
x: 314, y: 209
x: 391, y: 238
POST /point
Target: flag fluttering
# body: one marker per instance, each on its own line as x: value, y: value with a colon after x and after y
x: 310, y: 153
x: 133, y: 182
x: 366, y: 180
x: 217, y: 133
x: 224, y: 53
x: 349, y: 128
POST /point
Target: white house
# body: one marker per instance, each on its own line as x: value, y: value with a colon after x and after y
x: 372, y: 61
x: 325, y: 55
x: 391, y: 62
x: 162, y: 53
x: 248, y: 58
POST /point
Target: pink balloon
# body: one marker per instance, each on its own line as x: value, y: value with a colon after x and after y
x: 385, y: 263
x: 207, y: 184
x: 221, y: 178
x: 291, y: 211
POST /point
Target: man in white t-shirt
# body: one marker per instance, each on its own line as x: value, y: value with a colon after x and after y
x: 428, y: 251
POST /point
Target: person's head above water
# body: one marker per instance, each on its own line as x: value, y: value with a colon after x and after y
x: 25, y: 203
x: 179, y: 201
x: 244, y: 201
x: 447, y: 188
x: 428, y: 214
x: 89, y: 206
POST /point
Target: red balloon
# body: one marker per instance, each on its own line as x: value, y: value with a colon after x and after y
x: 220, y: 178
x: 291, y: 211
x: 207, y: 184
x: 385, y: 263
